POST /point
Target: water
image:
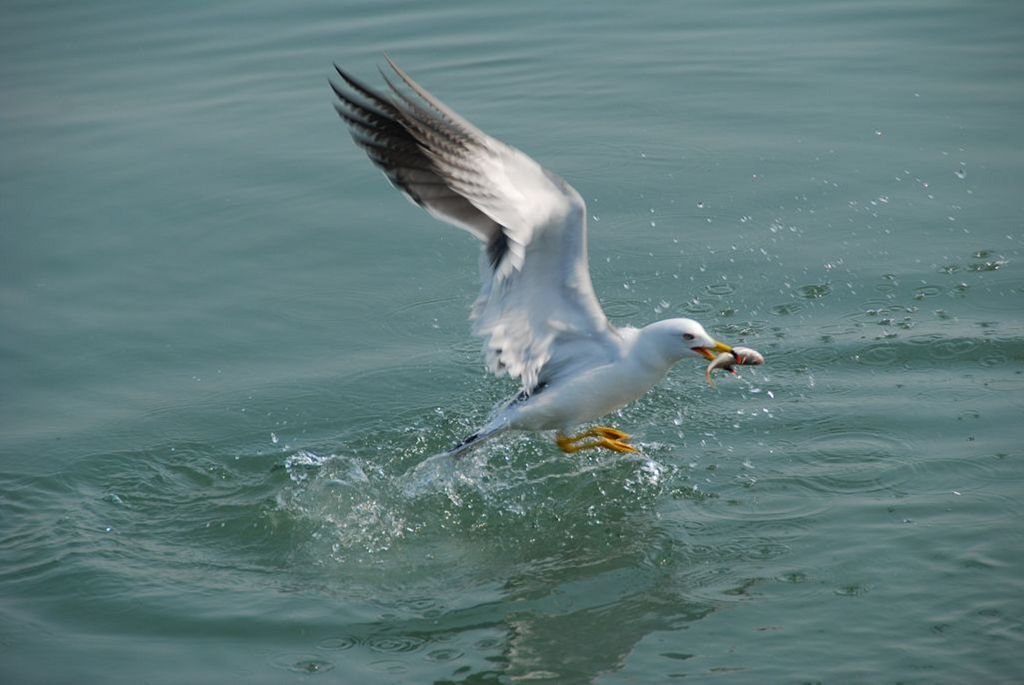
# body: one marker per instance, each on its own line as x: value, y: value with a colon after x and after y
x: 228, y: 348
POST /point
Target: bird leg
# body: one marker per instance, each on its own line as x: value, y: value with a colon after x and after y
x: 609, y: 438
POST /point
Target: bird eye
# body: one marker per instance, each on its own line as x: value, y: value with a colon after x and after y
x: 687, y: 336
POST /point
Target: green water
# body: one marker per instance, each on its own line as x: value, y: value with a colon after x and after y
x: 227, y: 344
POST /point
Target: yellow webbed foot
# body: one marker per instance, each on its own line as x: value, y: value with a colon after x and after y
x: 616, y: 445
x: 610, y: 433
x: 608, y: 438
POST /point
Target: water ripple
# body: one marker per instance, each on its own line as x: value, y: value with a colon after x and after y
x: 337, y: 644
x: 778, y: 500
x: 395, y: 644
x: 815, y: 291
x: 443, y: 655
x: 307, y: 664
x: 853, y: 461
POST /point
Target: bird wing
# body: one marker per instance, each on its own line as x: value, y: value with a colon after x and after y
x: 537, y: 310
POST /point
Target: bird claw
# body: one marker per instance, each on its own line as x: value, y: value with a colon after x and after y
x: 610, y: 433
x: 608, y: 438
x: 617, y: 446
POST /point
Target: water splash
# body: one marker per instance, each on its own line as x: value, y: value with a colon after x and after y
x: 359, y: 507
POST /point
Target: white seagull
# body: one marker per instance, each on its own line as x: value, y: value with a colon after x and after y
x: 537, y: 312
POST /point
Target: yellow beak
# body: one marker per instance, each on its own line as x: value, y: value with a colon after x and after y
x: 718, y: 349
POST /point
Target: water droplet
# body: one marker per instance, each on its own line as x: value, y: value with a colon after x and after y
x: 815, y: 291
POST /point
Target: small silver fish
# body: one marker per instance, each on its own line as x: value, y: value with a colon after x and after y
x: 739, y: 356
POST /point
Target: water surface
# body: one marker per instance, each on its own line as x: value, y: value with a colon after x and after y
x: 228, y: 344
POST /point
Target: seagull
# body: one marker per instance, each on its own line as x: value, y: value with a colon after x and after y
x: 537, y: 312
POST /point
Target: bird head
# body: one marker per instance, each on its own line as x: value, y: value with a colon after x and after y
x: 680, y: 338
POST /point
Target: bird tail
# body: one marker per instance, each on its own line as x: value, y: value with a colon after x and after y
x: 473, y: 441
x: 438, y: 473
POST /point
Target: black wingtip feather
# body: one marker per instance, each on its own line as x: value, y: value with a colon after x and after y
x: 497, y: 248
x: 423, y: 149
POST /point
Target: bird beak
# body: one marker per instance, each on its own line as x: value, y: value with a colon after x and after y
x: 718, y: 348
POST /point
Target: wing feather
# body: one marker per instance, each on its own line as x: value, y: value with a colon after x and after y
x: 537, y: 310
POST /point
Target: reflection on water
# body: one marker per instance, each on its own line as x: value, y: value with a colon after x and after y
x: 577, y: 544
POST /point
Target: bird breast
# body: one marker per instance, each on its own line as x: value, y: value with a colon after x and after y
x: 585, y: 396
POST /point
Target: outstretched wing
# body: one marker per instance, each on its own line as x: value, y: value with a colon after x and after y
x: 537, y: 310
